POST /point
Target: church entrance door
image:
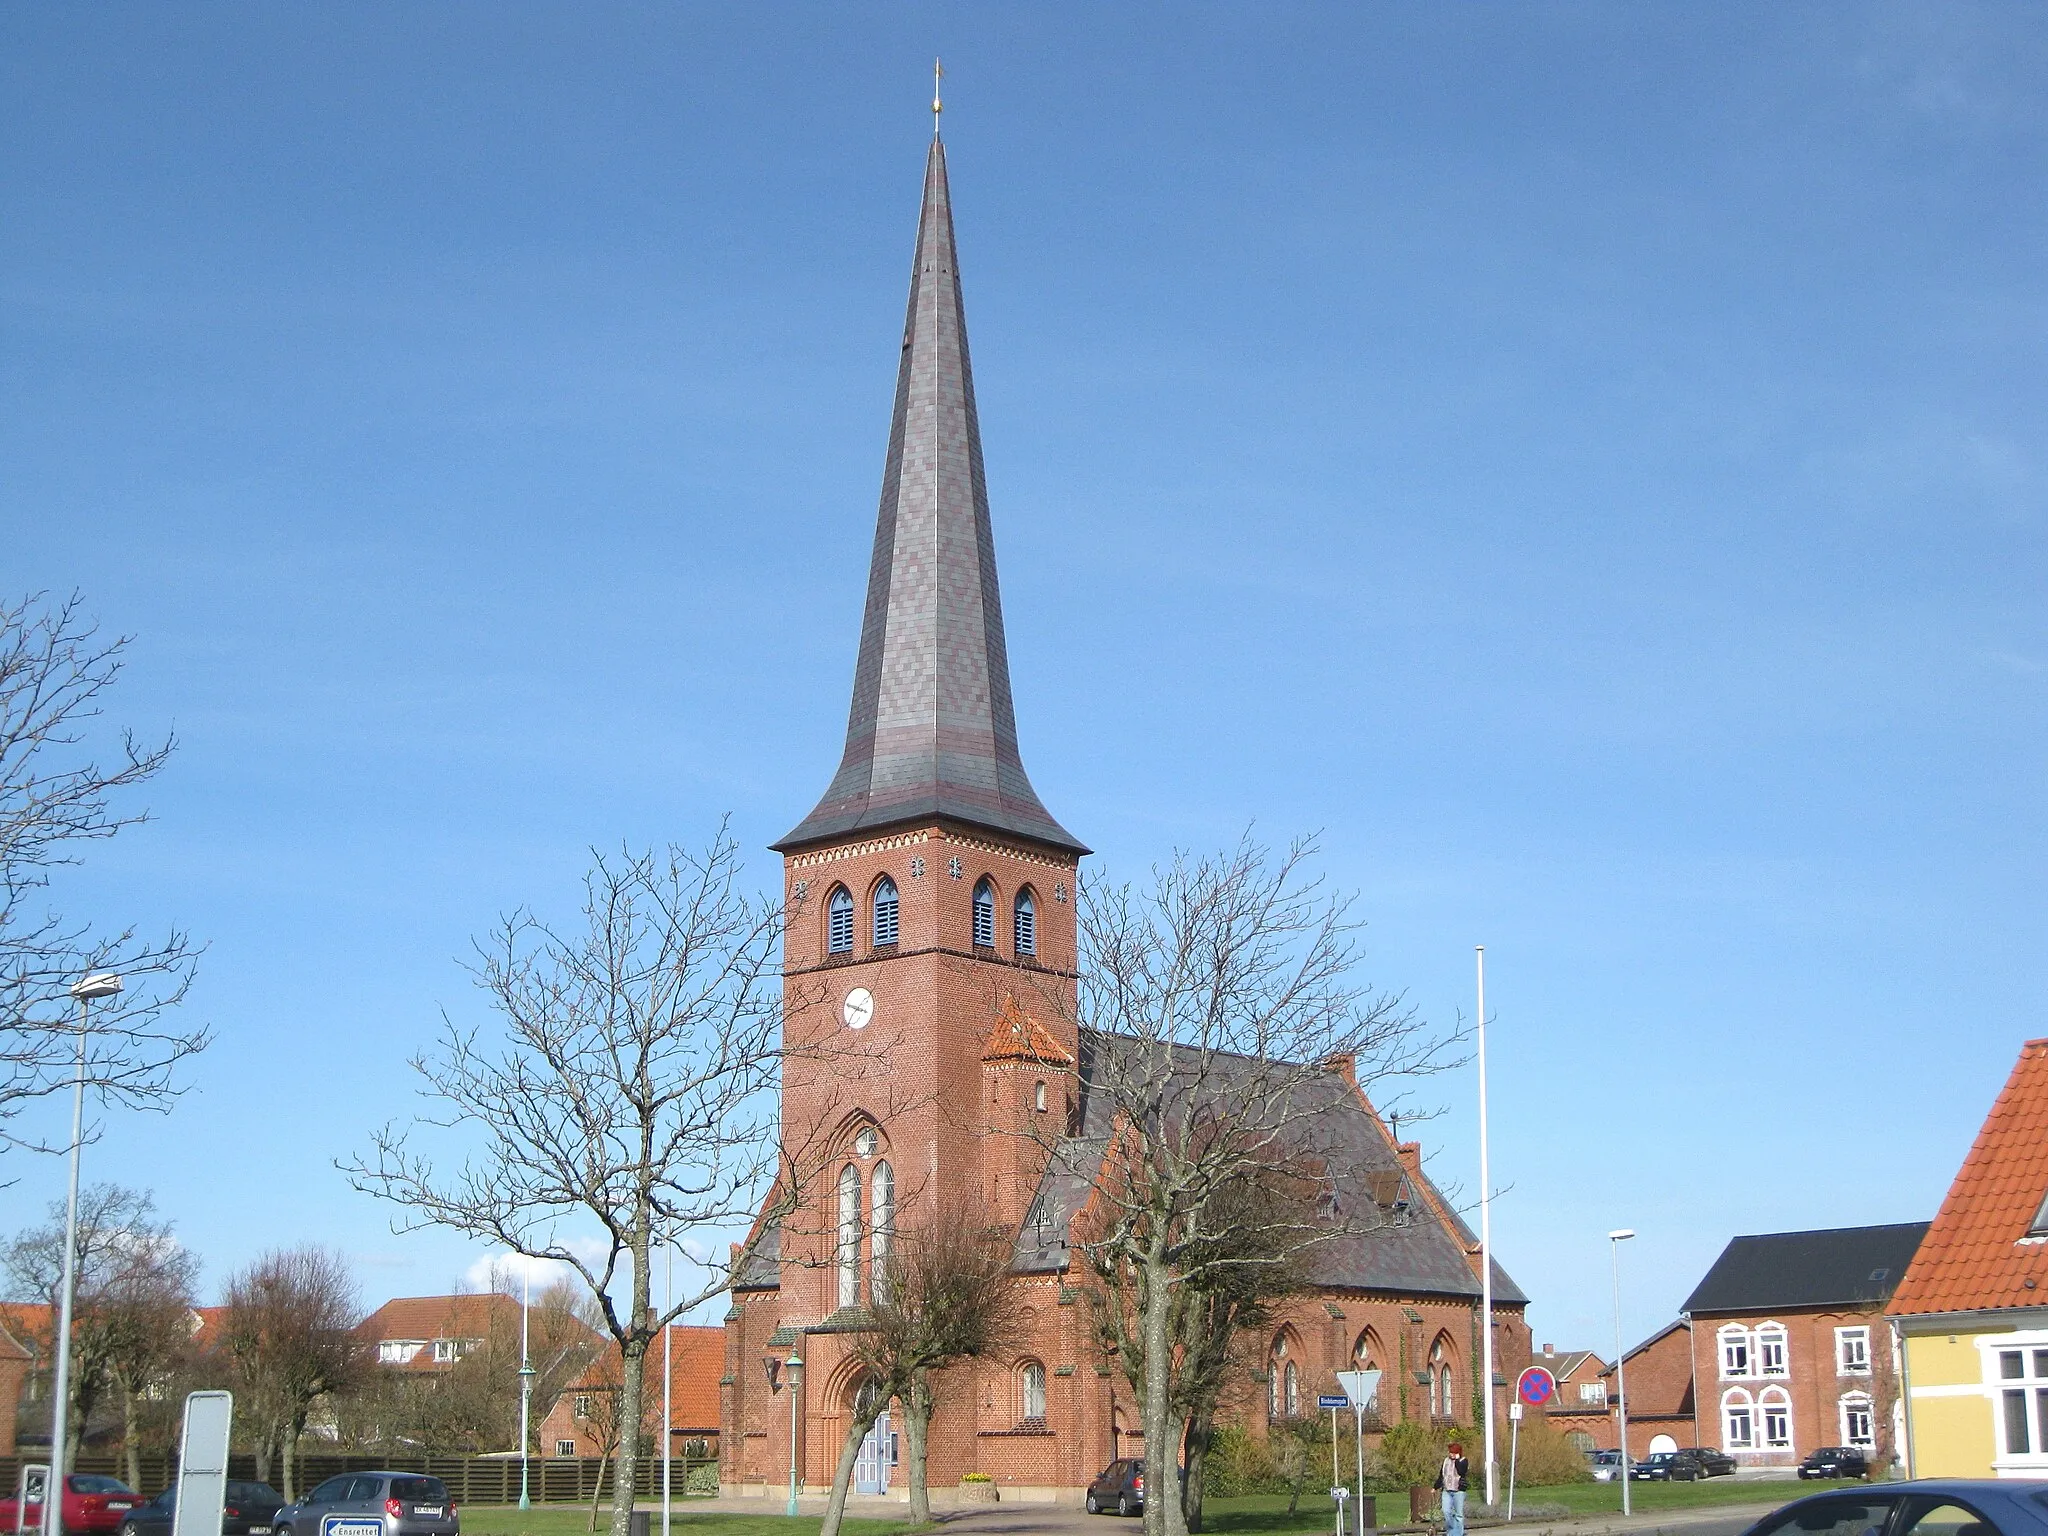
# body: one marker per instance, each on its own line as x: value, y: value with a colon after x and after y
x: 877, y: 1456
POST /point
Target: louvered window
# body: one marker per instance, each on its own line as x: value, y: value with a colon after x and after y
x: 839, y: 921
x: 1027, y: 924
x: 885, y: 912
x: 984, y: 916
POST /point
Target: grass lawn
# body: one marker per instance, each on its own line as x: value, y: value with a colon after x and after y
x: 1267, y: 1513
x: 574, y: 1520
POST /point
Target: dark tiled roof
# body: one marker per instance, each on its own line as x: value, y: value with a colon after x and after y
x: 761, y: 1270
x: 1413, y: 1253
x: 1976, y: 1255
x: 932, y: 733
x: 1843, y: 1266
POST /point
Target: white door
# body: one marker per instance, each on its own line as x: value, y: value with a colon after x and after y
x: 871, y: 1465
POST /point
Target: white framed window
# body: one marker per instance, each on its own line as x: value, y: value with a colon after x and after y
x: 1738, y: 1359
x: 444, y: 1351
x: 1738, y: 1421
x: 1771, y: 1353
x: 581, y: 1407
x: 2017, y: 1368
x: 848, y: 1255
x: 1290, y: 1390
x: 1592, y: 1391
x: 1031, y: 1393
x: 1775, y: 1409
x: 1038, y: 1097
x: 1859, y: 1425
x: 1852, y: 1352
x: 565, y: 1447
x: 882, y: 1202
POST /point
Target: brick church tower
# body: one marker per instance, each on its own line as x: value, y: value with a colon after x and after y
x: 930, y: 943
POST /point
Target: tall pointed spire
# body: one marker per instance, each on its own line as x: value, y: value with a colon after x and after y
x: 931, y: 733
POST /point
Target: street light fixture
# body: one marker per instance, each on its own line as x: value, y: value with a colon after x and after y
x: 793, y: 1373
x: 526, y: 1375
x: 88, y: 990
x: 1614, y: 1241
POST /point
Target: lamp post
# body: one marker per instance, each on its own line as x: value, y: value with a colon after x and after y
x: 86, y: 989
x: 1485, y: 1250
x: 793, y: 1373
x: 1614, y: 1241
x: 668, y: 1376
x: 525, y: 1391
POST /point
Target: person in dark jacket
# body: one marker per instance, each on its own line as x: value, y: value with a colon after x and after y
x: 1451, y: 1478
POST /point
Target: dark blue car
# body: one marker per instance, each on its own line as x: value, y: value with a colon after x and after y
x: 1937, y: 1507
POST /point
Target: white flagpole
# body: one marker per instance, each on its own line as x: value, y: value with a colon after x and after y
x: 1485, y: 1249
x: 668, y: 1376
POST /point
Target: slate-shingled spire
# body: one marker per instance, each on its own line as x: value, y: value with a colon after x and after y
x: 931, y: 733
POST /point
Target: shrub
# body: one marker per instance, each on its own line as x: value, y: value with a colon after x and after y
x: 702, y: 1479
x: 1237, y: 1464
x: 1546, y: 1458
x: 1410, y: 1453
x: 976, y: 1477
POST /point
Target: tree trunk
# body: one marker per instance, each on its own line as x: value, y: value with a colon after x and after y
x: 1163, y: 1515
x: 857, y: 1427
x: 632, y: 1394
x: 266, y: 1452
x: 917, y: 1423
x: 291, y: 1456
x: 131, y: 1443
x: 1201, y: 1430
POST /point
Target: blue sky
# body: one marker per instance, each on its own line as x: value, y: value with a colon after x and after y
x: 1585, y: 459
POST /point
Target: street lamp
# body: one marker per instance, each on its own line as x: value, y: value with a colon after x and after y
x: 87, y: 989
x: 1614, y: 1241
x: 526, y: 1374
x: 793, y: 1373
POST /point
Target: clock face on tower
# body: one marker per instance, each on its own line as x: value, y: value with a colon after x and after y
x: 858, y: 1008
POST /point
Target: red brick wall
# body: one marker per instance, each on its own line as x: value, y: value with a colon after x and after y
x: 1813, y: 1382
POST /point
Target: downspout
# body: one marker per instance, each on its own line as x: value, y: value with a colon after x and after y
x: 1902, y: 1373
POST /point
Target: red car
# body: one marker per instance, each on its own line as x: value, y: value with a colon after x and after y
x: 92, y: 1504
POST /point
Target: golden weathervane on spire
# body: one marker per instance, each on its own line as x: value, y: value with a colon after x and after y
x: 938, y: 74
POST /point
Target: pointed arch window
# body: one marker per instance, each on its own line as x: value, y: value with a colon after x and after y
x: 848, y: 1254
x: 1026, y: 923
x: 1443, y: 1402
x: 885, y: 913
x: 984, y: 916
x: 839, y: 921
x: 882, y: 1202
x: 1031, y: 1393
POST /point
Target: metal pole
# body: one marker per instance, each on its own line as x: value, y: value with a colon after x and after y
x: 525, y: 1391
x: 1485, y: 1250
x: 793, y: 1374
x: 60, y: 1392
x: 1358, y: 1412
x: 1333, y: 1471
x: 1514, y: 1451
x: 1614, y: 1241
x: 668, y: 1375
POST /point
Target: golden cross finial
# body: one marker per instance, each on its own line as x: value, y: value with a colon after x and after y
x: 938, y: 74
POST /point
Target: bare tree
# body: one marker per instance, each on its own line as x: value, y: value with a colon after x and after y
x: 1223, y: 1011
x: 609, y: 1417
x: 288, y: 1340
x: 632, y: 1091
x: 133, y: 1288
x: 941, y: 1295
x: 54, y: 797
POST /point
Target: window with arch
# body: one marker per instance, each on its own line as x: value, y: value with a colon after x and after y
x: 1737, y: 1361
x: 1859, y: 1426
x: 1775, y: 1408
x: 1026, y: 925
x: 1738, y: 1420
x: 839, y: 921
x: 1038, y: 1097
x: 1443, y: 1399
x: 1278, y: 1369
x: 1031, y: 1393
x: 984, y: 914
x: 882, y: 1206
x: 885, y: 913
x: 847, y: 1255
x: 1770, y: 1350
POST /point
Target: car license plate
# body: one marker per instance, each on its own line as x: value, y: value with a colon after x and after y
x: 118, y: 1504
x: 259, y: 1530
x: 426, y: 1509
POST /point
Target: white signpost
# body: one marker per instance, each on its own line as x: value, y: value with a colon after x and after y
x: 203, y: 1464
x: 1363, y: 1388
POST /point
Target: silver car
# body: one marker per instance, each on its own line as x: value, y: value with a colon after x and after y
x: 373, y: 1504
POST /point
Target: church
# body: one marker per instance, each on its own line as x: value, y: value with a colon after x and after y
x: 931, y: 948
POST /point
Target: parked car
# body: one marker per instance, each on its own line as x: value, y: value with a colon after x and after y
x: 1121, y: 1487
x: 249, y: 1510
x: 92, y: 1504
x: 1606, y: 1466
x: 1835, y: 1461
x: 403, y: 1503
x: 1937, y: 1507
x: 1700, y: 1461
x: 1653, y: 1468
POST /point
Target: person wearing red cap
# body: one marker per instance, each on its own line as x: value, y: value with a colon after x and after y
x: 1450, y: 1481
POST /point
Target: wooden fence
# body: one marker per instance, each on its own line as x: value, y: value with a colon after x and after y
x: 470, y: 1479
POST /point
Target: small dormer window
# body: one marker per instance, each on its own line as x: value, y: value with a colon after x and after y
x: 1026, y: 924
x: 839, y: 921
x: 984, y: 916
x: 885, y: 913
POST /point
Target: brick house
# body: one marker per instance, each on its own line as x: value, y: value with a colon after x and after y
x: 1790, y: 1345
x: 1580, y: 1374
x: 1658, y: 1373
x: 431, y: 1333
x: 1970, y: 1315
x: 17, y: 1361
x: 931, y: 943
x: 696, y: 1360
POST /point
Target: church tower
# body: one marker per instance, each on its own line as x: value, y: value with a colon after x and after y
x: 930, y: 941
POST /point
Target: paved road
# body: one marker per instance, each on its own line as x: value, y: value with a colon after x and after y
x: 1055, y: 1520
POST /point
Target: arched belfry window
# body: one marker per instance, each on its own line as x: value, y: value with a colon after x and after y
x: 848, y: 1254
x: 839, y: 921
x: 1027, y: 923
x: 882, y: 1204
x: 984, y: 916
x: 885, y: 912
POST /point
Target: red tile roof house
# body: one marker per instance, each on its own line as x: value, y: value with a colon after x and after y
x: 431, y: 1333
x: 1658, y: 1373
x: 697, y: 1361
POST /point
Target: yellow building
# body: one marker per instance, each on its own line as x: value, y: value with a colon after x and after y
x: 1971, y: 1315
